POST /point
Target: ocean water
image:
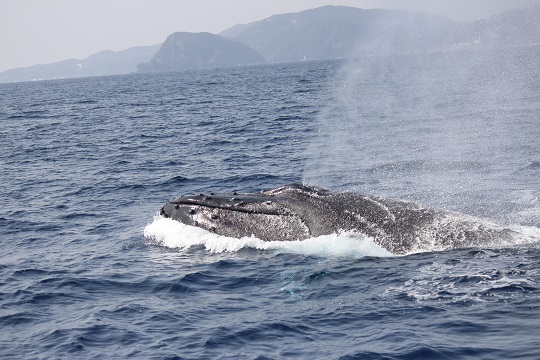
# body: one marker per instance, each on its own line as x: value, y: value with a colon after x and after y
x: 89, y: 270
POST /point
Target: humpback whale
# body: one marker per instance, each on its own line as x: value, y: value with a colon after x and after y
x: 297, y: 212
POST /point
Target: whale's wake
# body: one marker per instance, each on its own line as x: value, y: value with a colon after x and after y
x: 175, y: 235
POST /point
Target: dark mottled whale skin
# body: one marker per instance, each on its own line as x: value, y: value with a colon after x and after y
x: 296, y: 212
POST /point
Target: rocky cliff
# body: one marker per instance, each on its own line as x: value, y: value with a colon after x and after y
x: 186, y: 51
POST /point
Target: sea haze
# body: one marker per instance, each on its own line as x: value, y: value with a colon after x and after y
x: 89, y: 270
x: 324, y: 33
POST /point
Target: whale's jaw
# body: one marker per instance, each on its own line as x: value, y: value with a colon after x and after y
x: 238, y: 215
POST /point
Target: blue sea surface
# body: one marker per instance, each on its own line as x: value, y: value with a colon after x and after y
x: 88, y: 268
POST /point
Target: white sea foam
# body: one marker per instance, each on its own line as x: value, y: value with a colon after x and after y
x: 175, y: 235
x: 530, y: 234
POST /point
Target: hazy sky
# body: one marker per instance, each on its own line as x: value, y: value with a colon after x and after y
x: 44, y: 31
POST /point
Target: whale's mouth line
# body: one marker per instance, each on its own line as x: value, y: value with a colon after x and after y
x: 251, y: 204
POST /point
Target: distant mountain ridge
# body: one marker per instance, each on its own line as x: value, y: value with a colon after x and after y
x: 337, y: 31
x: 103, y: 63
x: 327, y: 32
x: 519, y: 26
x: 189, y: 51
x: 235, y: 30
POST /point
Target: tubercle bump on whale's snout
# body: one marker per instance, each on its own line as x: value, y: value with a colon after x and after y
x: 248, y: 203
x: 163, y: 213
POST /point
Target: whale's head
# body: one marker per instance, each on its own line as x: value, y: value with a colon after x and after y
x: 297, y: 212
x: 267, y: 215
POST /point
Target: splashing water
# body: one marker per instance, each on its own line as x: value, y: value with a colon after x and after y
x: 173, y: 234
x: 176, y: 235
